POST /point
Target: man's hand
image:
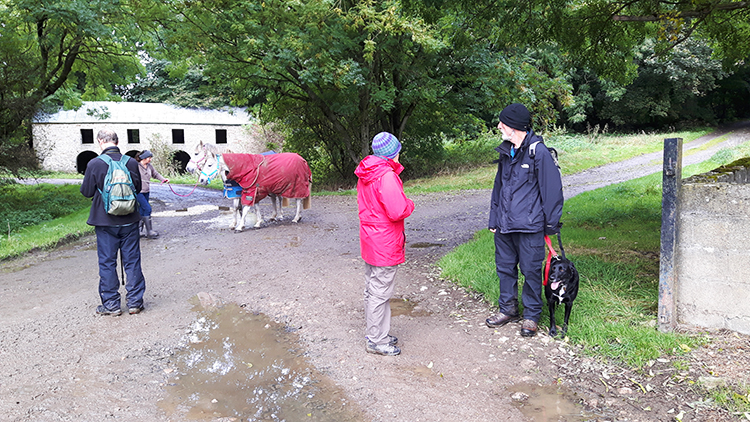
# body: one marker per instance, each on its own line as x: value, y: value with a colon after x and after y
x: 552, y: 230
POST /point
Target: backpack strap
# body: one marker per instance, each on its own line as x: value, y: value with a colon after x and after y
x: 532, y: 155
x: 532, y: 149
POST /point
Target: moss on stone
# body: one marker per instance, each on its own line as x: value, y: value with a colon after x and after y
x: 724, y: 173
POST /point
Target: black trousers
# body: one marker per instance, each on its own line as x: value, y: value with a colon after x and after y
x: 524, y: 251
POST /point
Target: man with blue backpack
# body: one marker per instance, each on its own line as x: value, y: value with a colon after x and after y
x: 112, y: 180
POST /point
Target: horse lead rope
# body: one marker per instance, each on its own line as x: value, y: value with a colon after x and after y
x: 191, y: 192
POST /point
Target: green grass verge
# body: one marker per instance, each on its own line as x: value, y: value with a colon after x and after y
x: 613, y: 236
x: 736, y: 399
x: 46, y: 235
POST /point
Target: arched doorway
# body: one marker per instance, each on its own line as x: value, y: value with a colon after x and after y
x: 180, y: 160
x: 83, y: 160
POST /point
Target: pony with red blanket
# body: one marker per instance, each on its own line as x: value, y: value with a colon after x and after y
x: 284, y: 175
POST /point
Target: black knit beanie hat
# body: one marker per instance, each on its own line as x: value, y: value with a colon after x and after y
x: 516, y: 116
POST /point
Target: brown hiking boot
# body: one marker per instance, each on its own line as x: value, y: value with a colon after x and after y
x: 501, y: 319
x: 528, y: 328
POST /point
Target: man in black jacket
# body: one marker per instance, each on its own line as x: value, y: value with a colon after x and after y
x: 114, y: 233
x: 527, y: 201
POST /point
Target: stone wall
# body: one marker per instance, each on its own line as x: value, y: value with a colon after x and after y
x: 712, y: 250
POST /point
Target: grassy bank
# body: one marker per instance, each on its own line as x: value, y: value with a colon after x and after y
x: 40, y: 216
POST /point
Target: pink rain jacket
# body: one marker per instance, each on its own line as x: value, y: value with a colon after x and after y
x: 382, y: 210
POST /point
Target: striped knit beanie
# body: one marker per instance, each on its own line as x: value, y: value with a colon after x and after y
x: 386, y: 145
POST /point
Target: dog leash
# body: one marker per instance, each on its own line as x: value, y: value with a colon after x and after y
x: 552, y: 254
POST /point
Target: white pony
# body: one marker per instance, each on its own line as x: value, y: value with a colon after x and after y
x: 284, y: 175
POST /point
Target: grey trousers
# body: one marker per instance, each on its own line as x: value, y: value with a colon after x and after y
x: 378, y: 291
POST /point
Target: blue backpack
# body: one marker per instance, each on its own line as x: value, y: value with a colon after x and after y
x: 118, y: 194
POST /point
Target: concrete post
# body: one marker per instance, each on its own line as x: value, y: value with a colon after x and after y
x: 671, y: 182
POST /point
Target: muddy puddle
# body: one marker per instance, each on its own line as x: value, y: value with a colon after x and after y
x: 550, y: 403
x: 243, y: 366
x: 422, y: 245
x: 403, y: 306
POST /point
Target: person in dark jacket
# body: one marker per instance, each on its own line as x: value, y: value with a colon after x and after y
x: 527, y: 202
x: 114, y: 233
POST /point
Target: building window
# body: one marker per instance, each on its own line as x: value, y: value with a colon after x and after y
x: 134, y: 136
x: 221, y: 136
x: 87, y: 136
x: 178, y: 136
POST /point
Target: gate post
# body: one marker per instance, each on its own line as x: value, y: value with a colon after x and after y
x: 671, y: 183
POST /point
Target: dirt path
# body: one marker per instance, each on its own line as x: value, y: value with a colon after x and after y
x: 60, y: 362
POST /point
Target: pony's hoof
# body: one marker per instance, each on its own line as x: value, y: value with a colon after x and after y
x: 296, y: 220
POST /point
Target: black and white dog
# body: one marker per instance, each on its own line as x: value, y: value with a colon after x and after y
x: 561, y: 287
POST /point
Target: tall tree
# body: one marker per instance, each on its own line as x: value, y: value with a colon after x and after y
x: 50, y: 45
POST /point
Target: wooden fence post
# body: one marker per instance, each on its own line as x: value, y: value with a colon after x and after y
x: 670, y: 204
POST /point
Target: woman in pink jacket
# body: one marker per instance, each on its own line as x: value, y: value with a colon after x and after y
x: 382, y: 210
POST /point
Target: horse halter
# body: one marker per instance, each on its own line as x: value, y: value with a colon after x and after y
x: 203, y: 158
x: 202, y: 161
x: 210, y: 176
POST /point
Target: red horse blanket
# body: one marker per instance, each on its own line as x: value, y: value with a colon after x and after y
x: 286, y: 174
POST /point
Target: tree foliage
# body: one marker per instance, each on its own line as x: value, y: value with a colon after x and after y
x: 181, y: 85
x: 336, y: 73
x: 665, y: 92
x: 50, y: 46
x: 606, y: 36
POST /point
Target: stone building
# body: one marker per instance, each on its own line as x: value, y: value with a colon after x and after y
x: 66, y: 141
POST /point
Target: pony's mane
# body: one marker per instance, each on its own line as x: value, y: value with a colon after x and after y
x: 211, y: 148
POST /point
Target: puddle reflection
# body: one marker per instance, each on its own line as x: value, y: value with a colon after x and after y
x: 243, y: 365
x: 403, y: 306
x: 550, y: 403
